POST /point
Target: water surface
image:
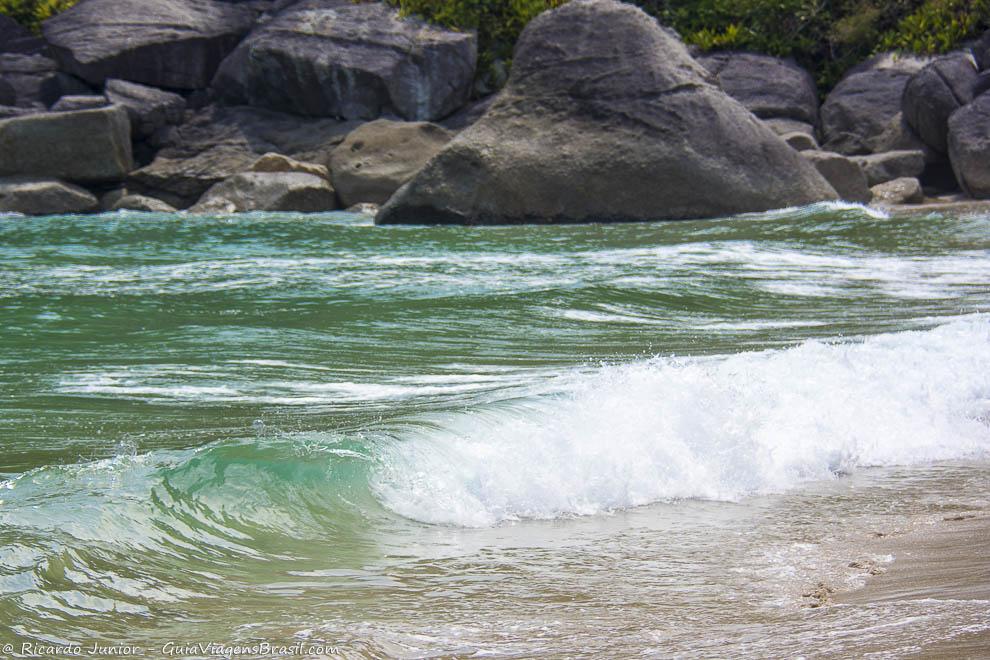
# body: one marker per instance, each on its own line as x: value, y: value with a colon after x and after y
x: 512, y: 442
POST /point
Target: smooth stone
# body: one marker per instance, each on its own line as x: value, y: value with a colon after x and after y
x: 843, y: 173
x: 142, y: 203
x: 337, y: 58
x: 934, y: 93
x: 800, y: 141
x: 782, y: 126
x: 43, y: 196
x: 768, y: 86
x: 73, y: 103
x: 165, y: 43
x: 621, y: 127
x: 379, y: 157
x: 8, y: 95
x: 85, y: 146
x: 268, y: 191
x: 272, y: 162
x: 890, y: 165
x: 905, y: 190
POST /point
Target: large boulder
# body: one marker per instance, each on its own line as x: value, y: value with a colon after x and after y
x: 165, y: 43
x: 27, y: 75
x: 934, y: 93
x: 379, y: 157
x: 860, y: 108
x: 86, y: 146
x: 769, y: 87
x: 337, y: 58
x: 14, y: 38
x: 890, y: 165
x: 150, y: 109
x: 38, y: 196
x: 622, y: 126
x: 969, y: 146
x: 218, y: 142
x: 269, y: 191
x: 843, y: 173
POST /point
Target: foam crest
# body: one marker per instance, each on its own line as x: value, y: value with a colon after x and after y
x: 715, y: 428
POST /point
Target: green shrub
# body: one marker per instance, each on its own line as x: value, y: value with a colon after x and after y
x: 498, y: 23
x: 30, y: 13
x: 938, y: 26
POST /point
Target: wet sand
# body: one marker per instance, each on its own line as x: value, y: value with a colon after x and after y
x: 942, y: 559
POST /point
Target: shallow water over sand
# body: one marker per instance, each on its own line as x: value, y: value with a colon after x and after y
x: 619, y: 440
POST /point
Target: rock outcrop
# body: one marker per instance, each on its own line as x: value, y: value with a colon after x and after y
x: 166, y: 43
x: 843, y: 173
x: 336, y: 58
x: 42, y: 196
x: 87, y: 146
x: 606, y: 117
x: 863, y: 104
x: 769, y: 87
x: 269, y: 191
x: 969, y: 146
x: 219, y: 142
x: 934, y: 93
x: 377, y: 158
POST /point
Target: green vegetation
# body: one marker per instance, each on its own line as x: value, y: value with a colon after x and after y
x: 826, y: 36
x: 31, y: 13
x: 498, y: 23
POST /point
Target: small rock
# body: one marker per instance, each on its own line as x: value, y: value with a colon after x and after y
x: 272, y: 162
x: 887, y: 166
x: 782, y: 126
x: 73, y: 103
x: 42, y: 196
x: 821, y: 595
x: 142, y: 203
x: 906, y: 190
x: 843, y: 173
x: 268, y: 191
x: 800, y: 141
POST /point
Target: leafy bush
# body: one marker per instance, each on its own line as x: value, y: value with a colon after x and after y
x: 498, y: 23
x: 30, y: 13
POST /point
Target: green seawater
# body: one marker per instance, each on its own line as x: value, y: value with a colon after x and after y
x: 593, y: 440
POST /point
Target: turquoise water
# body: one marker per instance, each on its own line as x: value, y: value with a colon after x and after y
x: 509, y: 441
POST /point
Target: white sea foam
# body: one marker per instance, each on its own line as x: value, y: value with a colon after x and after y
x: 719, y: 428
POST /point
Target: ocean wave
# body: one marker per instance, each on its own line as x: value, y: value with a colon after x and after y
x: 714, y: 428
